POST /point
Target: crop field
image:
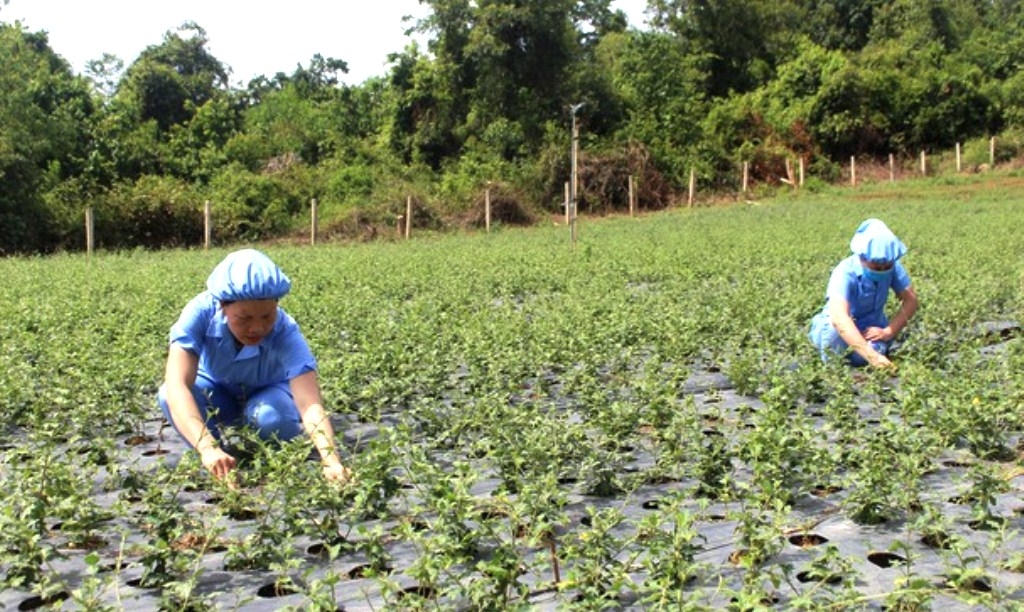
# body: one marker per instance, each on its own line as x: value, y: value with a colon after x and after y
x: 638, y: 422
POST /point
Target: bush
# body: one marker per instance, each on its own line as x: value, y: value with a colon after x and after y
x: 249, y: 206
x: 152, y: 212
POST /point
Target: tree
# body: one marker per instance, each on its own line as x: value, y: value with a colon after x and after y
x: 45, y: 112
x: 741, y: 40
x: 168, y: 82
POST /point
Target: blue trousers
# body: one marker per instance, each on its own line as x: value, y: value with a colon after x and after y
x: 270, y: 410
x: 824, y: 336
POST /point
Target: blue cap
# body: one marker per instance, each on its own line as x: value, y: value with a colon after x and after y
x: 247, y: 275
x: 875, y: 242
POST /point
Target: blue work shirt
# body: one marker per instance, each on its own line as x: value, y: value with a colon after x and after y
x: 865, y: 296
x: 203, y: 331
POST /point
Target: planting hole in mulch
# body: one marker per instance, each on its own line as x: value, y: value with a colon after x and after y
x: 807, y: 540
x: 815, y: 576
x: 609, y: 597
x: 89, y: 542
x: 364, y: 570
x: 236, y: 513
x: 35, y: 602
x: 962, y: 500
x: 659, y: 479
x: 713, y: 432
x: 276, y: 589
x: 885, y: 559
x: 198, y: 541
x: 956, y: 464
x: 155, y: 452
x: 977, y: 584
x: 989, y: 523
x: 489, y: 514
x: 824, y: 490
x: 651, y: 504
x: 138, y: 439
x: 136, y: 583
x: 765, y: 601
x: 939, y: 539
x: 419, y: 590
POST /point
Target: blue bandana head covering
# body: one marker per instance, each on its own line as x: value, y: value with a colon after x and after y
x: 247, y: 275
x: 875, y: 242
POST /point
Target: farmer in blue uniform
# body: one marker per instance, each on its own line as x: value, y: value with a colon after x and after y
x: 853, y: 321
x: 236, y: 358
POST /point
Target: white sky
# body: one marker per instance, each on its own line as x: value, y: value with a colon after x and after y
x: 252, y: 38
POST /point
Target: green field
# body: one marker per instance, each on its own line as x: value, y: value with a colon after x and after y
x: 640, y: 417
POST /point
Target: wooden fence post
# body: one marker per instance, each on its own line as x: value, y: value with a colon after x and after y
x: 90, y: 235
x: 801, y: 170
x: 853, y: 171
x: 567, y: 203
x: 892, y: 168
x: 693, y: 187
x: 924, y: 164
x: 313, y: 221
x: 992, y: 152
x: 958, y: 166
x: 408, y: 217
x: 632, y: 197
x: 746, y: 175
x: 207, y: 225
x: 487, y: 209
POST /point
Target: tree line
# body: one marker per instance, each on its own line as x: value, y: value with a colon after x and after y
x: 708, y: 86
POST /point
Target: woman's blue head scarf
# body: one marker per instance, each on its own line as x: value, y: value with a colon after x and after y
x: 247, y: 275
x: 875, y: 242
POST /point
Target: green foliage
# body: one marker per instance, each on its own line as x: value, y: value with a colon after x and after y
x: 153, y: 211
x: 46, y: 114
x: 250, y: 206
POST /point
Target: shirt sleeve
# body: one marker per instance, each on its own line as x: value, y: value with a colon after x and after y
x: 900, y: 279
x: 297, y: 356
x: 190, y: 329
x: 842, y: 284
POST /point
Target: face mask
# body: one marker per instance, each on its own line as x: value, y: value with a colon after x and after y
x: 877, y: 275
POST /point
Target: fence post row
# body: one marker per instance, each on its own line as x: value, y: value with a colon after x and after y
x: 405, y: 229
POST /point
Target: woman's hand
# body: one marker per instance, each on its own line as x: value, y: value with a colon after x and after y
x: 217, y: 462
x: 338, y: 473
x: 879, y: 360
x: 879, y: 334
